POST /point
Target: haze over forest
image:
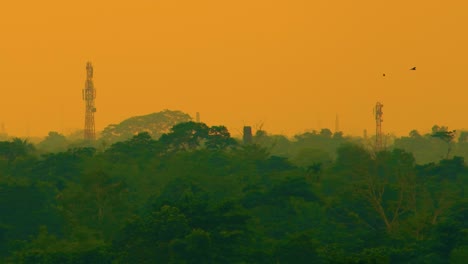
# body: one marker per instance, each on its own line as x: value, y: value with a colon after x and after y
x: 185, y: 192
x: 155, y: 184
x: 291, y: 65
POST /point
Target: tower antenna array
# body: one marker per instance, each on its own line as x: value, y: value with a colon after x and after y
x: 378, y: 126
x: 89, y: 94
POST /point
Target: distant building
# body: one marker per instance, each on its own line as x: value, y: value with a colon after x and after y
x: 247, y: 137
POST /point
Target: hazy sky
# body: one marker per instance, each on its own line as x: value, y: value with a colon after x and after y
x: 291, y: 65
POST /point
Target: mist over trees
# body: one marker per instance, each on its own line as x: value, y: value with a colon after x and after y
x: 154, y: 124
x: 191, y: 193
x: 440, y: 143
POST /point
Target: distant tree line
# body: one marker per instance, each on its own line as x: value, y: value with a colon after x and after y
x: 197, y: 195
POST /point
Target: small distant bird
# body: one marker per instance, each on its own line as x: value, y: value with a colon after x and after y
x: 413, y: 69
x: 384, y: 75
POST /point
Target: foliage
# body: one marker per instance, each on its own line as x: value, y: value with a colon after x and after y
x: 197, y: 195
x: 54, y: 142
x: 446, y: 136
x: 154, y: 124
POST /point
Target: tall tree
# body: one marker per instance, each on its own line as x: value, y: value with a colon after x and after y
x: 219, y: 138
x: 447, y: 137
x: 54, y: 142
x: 185, y: 136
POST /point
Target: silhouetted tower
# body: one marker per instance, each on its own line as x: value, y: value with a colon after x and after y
x: 89, y: 94
x: 378, y: 126
x: 247, y: 138
x: 198, y: 117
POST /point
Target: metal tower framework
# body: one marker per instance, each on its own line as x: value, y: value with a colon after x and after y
x: 89, y: 94
x: 378, y: 126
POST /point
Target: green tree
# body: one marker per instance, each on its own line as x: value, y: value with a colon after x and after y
x: 97, y: 202
x: 185, y: 136
x: 309, y: 156
x: 149, y: 239
x: 139, y: 148
x: 54, y: 142
x: 219, y: 138
x: 156, y: 124
x: 414, y: 134
x: 385, y: 183
x: 463, y: 137
x: 446, y: 136
x: 194, y: 248
x: 299, y: 248
x: 24, y: 206
x: 16, y: 148
x: 325, y: 132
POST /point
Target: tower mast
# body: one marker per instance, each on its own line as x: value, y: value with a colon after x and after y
x: 89, y: 94
x: 378, y: 126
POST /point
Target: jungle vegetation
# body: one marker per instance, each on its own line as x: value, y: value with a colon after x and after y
x: 197, y: 195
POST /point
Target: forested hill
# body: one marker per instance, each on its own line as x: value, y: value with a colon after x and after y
x: 196, y: 195
x: 154, y: 124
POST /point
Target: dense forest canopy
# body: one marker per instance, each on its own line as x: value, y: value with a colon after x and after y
x: 194, y: 194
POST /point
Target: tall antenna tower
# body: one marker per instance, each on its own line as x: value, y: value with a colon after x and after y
x: 89, y: 94
x: 378, y: 126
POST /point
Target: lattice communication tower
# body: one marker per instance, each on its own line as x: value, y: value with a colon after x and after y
x: 89, y: 94
x: 378, y: 126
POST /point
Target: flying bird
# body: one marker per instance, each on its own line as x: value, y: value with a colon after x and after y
x: 384, y: 75
x: 413, y: 69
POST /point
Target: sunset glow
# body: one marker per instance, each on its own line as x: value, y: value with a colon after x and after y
x: 289, y: 65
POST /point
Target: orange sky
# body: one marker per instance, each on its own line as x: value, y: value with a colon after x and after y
x: 291, y: 65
